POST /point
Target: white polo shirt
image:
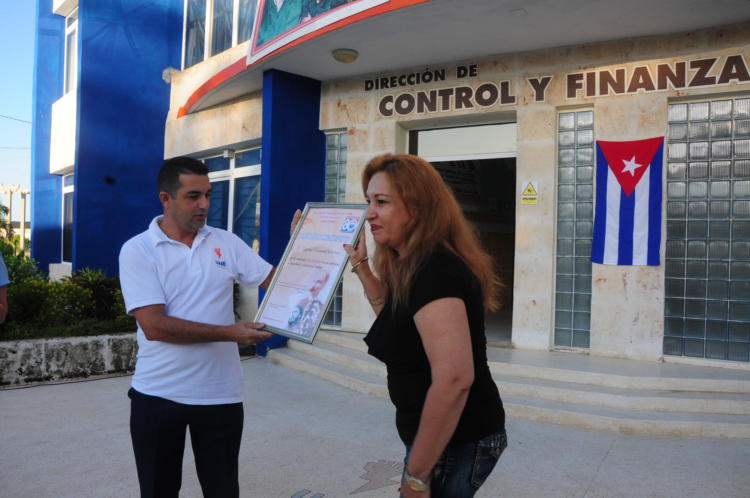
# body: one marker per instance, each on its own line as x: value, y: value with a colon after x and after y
x: 194, y: 283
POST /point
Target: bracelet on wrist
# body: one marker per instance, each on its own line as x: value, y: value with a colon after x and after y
x: 375, y: 302
x: 414, y: 483
x: 355, y: 265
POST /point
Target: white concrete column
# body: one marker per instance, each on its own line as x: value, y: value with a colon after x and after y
x: 534, y: 272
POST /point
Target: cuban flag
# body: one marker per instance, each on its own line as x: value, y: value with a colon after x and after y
x: 627, y: 220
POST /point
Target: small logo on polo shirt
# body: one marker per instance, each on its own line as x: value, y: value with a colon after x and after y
x: 219, y: 262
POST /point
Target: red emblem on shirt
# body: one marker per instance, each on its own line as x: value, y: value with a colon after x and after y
x: 218, y: 252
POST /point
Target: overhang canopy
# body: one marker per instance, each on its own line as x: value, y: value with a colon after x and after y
x: 421, y: 33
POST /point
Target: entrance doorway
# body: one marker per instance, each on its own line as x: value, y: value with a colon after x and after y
x: 478, y: 163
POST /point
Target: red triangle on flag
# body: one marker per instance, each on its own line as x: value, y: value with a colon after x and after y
x: 629, y: 161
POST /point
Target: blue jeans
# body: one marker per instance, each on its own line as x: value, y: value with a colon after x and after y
x: 463, y: 468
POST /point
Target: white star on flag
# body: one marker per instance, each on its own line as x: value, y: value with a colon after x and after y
x: 630, y: 166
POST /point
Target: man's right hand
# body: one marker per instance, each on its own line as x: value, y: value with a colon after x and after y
x: 250, y: 332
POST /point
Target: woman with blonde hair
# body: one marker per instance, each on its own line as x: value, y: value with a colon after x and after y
x: 431, y: 286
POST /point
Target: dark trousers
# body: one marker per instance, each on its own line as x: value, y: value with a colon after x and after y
x: 158, y: 427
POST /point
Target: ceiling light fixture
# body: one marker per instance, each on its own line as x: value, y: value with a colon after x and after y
x: 345, y: 55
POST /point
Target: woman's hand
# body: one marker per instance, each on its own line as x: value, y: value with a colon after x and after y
x: 295, y: 220
x: 358, y: 252
x: 374, y: 290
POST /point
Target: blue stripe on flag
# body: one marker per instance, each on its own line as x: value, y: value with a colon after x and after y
x: 625, y: 237
x: 600, y: 214
x: 654, y: 216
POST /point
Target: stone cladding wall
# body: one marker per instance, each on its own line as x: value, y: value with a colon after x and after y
x: 41, y: 360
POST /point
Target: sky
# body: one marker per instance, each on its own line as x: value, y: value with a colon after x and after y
x: 17, y: 27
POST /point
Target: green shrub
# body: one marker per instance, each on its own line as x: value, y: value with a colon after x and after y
x: 119, y: 306
x: 20, y: 267
x: 6, y: 248
x: 66, y: 303
x: 46, y: 304
x: 103, y: 291
x: 87, y: 303
x: 25, y: 301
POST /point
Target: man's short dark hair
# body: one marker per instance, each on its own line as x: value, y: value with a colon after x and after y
x: 169, y: 174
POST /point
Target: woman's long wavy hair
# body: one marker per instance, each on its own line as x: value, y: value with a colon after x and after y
x: 435, y: 218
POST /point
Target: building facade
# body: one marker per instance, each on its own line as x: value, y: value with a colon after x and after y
x: 99, y: 104
x: 510, y: 119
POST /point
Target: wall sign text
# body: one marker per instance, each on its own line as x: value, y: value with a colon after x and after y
x: 711, y: 71
x: 696, y: 73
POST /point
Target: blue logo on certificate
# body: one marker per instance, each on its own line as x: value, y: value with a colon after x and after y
x: 349, y: 225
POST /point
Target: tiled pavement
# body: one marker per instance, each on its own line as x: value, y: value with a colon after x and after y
x: 307, y: 438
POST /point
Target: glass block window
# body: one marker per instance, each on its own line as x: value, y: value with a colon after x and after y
x: 707, y: 265
x: 575, y: 220
x: 336, y: 167
x: 335, y: 192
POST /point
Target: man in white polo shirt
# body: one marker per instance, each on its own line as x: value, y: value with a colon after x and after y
x: 177, y: 279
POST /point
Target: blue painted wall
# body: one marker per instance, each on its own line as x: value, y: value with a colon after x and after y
x: 123, y: 102
x: 292, y: 163
x: 46, y: 197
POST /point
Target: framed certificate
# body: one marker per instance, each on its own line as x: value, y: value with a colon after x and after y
x: 305, y: 280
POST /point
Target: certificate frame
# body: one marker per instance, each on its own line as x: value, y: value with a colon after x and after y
x: 305, y: 280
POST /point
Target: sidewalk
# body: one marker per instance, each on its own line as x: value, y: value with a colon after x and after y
x: 306, y: 438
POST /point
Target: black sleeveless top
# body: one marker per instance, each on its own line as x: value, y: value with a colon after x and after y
x: 394, y: 340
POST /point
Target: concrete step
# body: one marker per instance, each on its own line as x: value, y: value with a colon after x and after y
x: 629, y: 421
x: 564, y: 392
x: 340, y: 375
x: 583, y: 369
x: 581, y: 394
x: 616, y: 373
x: 344, y: 339
x: 620, y: 381
x: 341, y: 355
x: 625, y: 399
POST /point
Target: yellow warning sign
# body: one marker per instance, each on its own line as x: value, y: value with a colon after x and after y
x: 530, y: 193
